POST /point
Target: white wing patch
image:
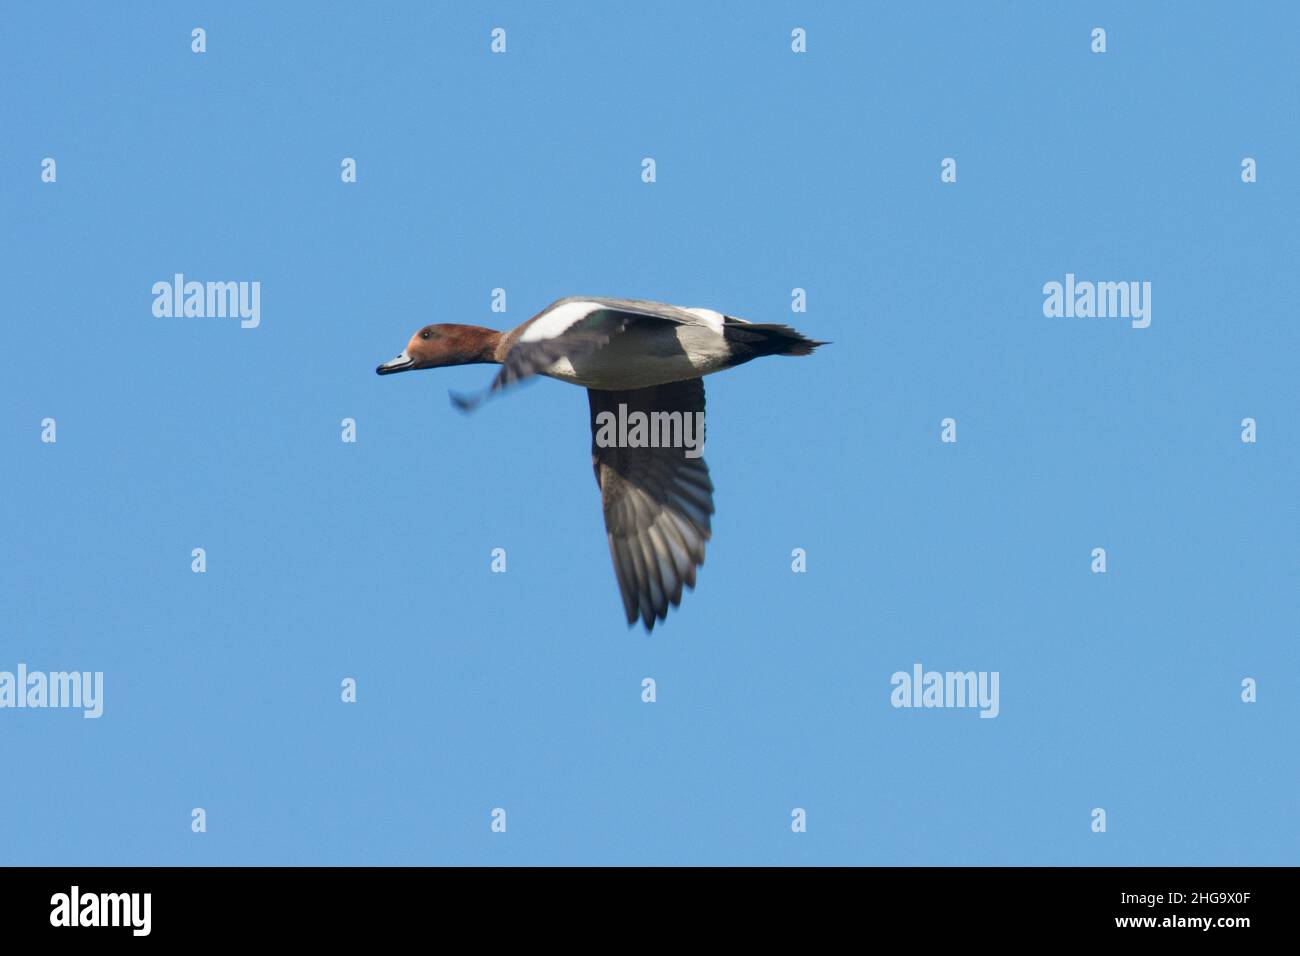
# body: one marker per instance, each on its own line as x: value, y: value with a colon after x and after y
x: 559, y: 320
x: 712, y: 319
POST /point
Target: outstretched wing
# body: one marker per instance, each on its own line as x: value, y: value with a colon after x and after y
x: 657, y: 502
x: 571, y: 328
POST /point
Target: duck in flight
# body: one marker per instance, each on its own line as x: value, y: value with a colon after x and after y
x: 645, y: 356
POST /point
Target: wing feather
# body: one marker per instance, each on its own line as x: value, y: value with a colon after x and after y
x: 658, y: 503
x: 573, y: 329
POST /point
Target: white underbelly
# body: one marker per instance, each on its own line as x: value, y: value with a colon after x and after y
x: 639, y: 358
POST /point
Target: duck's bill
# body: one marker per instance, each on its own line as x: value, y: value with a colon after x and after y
x: 399, y: 364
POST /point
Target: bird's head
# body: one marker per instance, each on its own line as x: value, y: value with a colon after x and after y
x: 437, y: 346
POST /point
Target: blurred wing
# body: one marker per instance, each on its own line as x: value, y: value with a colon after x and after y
x: 571, y: 328
x: 657, y: 503
x: 571, y: 331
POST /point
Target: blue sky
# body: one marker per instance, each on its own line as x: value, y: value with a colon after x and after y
x: 521, y: 690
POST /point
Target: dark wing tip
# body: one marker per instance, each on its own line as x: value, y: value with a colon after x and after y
x: 465, y: 403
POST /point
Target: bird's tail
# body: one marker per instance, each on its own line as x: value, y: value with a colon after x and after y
x: 768, y: 338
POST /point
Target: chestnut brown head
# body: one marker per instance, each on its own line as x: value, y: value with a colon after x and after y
x: 437, y: 346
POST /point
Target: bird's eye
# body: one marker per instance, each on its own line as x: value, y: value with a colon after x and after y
x: 425, y: 334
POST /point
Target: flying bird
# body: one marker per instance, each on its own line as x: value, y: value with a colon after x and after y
x: 632, y: 356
